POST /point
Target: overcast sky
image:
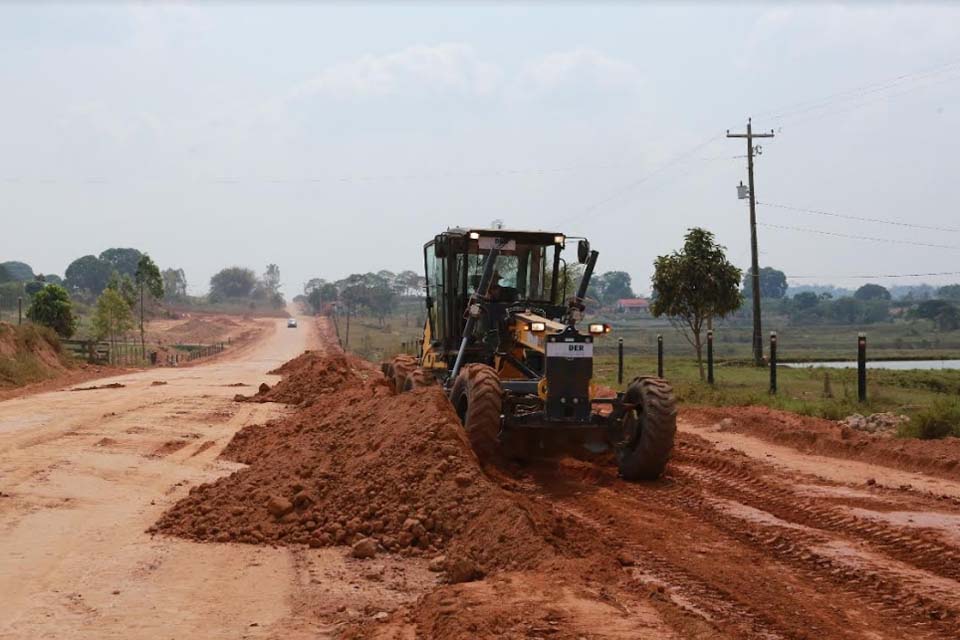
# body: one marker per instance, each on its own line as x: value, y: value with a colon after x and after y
x: 338, y: 139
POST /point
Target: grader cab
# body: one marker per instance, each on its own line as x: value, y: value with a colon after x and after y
x: 510, y: 353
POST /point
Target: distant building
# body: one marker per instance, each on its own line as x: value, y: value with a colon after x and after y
x: 633, y: 305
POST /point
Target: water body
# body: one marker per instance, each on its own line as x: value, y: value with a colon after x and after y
x: 900, y: 365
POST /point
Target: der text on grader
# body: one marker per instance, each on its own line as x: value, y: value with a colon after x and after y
x: 507, y: 351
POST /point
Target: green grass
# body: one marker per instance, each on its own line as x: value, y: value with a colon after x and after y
x: 23, y: 366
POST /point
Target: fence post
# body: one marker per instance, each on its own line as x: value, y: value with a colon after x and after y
x: 659, y: 356
x: 710, y: 356
x: 19, y: 310
x: 862, y: 367
x: 773, y: 362
x: 620, y: 361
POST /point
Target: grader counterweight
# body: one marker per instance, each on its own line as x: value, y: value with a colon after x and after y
x: 506, y: 347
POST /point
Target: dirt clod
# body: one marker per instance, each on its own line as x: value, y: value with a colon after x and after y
x: 364, y: 548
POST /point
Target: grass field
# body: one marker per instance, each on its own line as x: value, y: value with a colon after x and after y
x: 827, y: 393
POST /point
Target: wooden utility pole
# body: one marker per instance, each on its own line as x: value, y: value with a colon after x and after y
x: 754, y: 257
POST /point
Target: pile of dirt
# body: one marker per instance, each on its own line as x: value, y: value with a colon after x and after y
x: 29, y: 353
x: 310, y: 376
x: 828, y: 438
x: 202, y: 329
x: 383, y: 472
x: 884, y: 423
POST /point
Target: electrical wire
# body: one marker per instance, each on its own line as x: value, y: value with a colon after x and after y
x: 855, y: 237
x: 878, y: 276
x: 898, y: 223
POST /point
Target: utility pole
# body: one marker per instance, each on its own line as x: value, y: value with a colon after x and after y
x: 754, y: 257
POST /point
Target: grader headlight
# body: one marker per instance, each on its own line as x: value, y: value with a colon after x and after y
x: 599, y: 329
x: 538, y: 327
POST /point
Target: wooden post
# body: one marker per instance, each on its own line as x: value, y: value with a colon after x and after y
x: 659, y: 356
x: 19, y: 310
x: 620, y: 361
x: 710, y: 357
x: 773, y: 362
x: 862, y: 367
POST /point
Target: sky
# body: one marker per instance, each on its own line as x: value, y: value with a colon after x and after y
x: 339, y: 138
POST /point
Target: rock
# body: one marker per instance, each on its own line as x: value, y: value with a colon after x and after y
x: 871, y: 482
x: 279, y: 507
x: 463, y: 570
x: 463, y: 479
x: 383, y: 616
x: 364, y: 548
x: 436, y: 565
x: 263, y: 388
x: 303, y: 500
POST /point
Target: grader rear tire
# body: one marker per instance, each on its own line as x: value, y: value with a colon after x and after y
x: 397, y: 370
x: 418, y: 378
x: 478, y: 398
x: 649, y: 429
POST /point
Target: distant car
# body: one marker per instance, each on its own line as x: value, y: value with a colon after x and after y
x: 292, y: 323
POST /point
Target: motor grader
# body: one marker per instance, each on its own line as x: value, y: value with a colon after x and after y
x: 509, y: 353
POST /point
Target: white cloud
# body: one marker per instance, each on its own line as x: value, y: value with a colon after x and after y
x: 578, y: 68
x: 446, y: 67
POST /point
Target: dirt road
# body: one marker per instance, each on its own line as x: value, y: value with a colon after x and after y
x: 745, y: 536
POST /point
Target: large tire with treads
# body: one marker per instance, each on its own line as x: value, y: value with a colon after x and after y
x: 397, y: 370
x: 418, y: 378
x: 649, y: 429
x: 478, y: 399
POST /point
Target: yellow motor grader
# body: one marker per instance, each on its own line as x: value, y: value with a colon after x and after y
x: 509, y: 353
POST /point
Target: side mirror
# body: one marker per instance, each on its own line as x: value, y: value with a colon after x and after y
x: 583, y: 251
x: 440, y: 246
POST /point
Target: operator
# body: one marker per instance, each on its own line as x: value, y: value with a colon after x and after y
x: 495, y: 291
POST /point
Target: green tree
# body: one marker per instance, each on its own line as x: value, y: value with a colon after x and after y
x: 112, y: 317
x: 232, y: 282
x: 19, y: 271
x: 51, y: 307
x: 615, y: 285
x: 88, y: 273
x: 805, y: 300
x: 124, y: 260
x: 949, y: 292
x: 125, y: 286
x: 943, y: 313
x: 773, y: 283
x: 4, y: 275
x: 174, y: 284
x: 149, y: 282
x: 694, y: 285
x: 872, y: 292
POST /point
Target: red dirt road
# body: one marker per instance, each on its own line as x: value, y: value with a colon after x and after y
x: 752, y: 533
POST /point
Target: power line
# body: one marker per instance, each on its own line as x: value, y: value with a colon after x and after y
x: 857, y: 92
x: 898, y: 223
x: 644, y: 178
x: 854, y: 237
x: 877, y: 276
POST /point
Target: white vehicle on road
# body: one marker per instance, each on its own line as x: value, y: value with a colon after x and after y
x: 291, y: 323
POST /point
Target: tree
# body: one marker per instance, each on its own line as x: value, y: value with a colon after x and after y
x: 125, y: 286
x: 52, y: 308
x: 271, y: 278
x: 4, y: 275
x: 773, y: 283
x: 694, y: 285
x: 33, y: 287
x: 112, y: 317
x: 19, y: 271
x: 805, y: 300
x: 943, y: 313
x: 949, y: 292
x: 411, y: 283
x: 615, y: 285
x: 174, y: 284
x: 88, y: 273
x: 123, y: 260
x: 149, y: 281
x: 232, y: 282
x: 871, y: 292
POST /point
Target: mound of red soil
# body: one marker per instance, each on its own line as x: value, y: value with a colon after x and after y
x: 828, y: 438
x: 310, y: 376
x: 364, y: 463
x: 29, y: 353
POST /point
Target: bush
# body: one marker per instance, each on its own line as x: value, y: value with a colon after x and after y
x: 939, y: 420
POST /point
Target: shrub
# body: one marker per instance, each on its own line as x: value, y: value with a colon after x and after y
x: 939, y: 420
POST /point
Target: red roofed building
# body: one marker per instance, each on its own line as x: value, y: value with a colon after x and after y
x: 633, y: 305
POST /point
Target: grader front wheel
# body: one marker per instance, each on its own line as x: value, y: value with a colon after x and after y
x: 649, y: 427
x: 478, y: 399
